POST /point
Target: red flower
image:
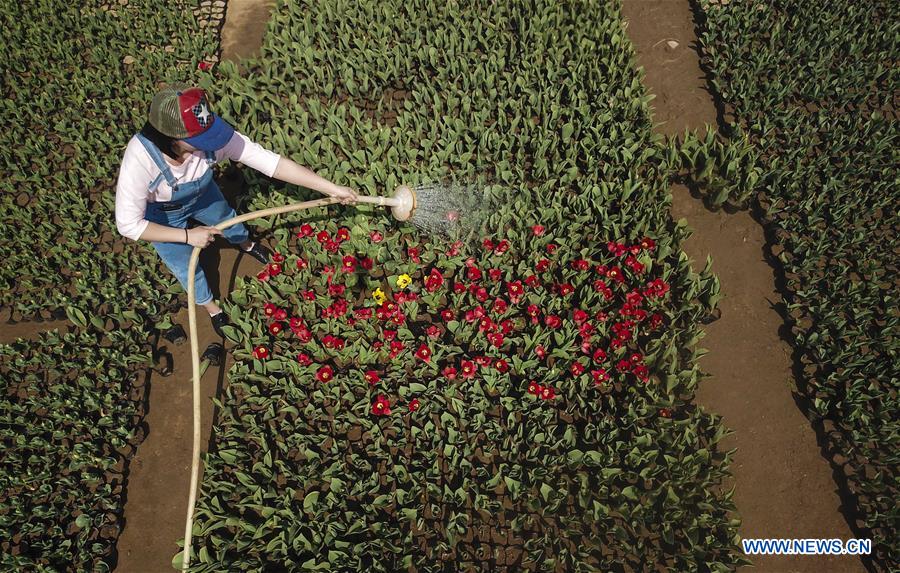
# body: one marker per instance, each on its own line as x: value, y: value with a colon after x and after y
x: 533, y: 310
x: 485, y: 324
x: 413, y: 253
x: 323, y: 236
x: 459, y: 288
x: 647, y: 243
x: 277, y: 258
x: 515, y: 290
x: 204, y: 66
x: 496, y: 339
x: 623, y: 365
x: 481, y: 294
x: 500, y: 306
x: 371, y: 377
x: 616, y: 343
x: 600, y: 270
x: 581, y: 265
x: 553, y: 321
x: 434, y: 280
x: 296, y: 323
x: 641, y: 372
x: 467, y: 369
x: 655, y: 320
x: 665, y: 413
x: 551, y: 248
x: 304, y: 334
x: 601, y: 316
x: 269, y: 309
x: 534, y: 388
x: 615, y: 274
x: 502, y: 366
x: 302, y: 264
x: 484, y: 360
x: 275, y: 328
x: 542, y: 265
x: 366, y: 263
x: 599, y: 355
x: 336, y: 290
x: 433, y: 332
x: 506, y: 326
x: 343, y: 234
x: 413, y: 404
x: 449, y: 372
x: 540, y: 352
x: 280, y: 314
x: 260, y: 352
x: 305, y: 231
x: 473, y: 274
x: 349, y: 263
x: 376, y: 236
x: 325, y: 373
x: 579, y: 316
x: 309, y: 295
x: 636, y: 357
x: 381, y: 406
x: 617, y: 249
x: 397, y: 347
x: 263, y: 275
x: 424, y: 353
x: 502, y: 247
x: 566, y: 289
x: 548, y: 393
x: 274, y: 269
x: 304, y: 359
x: 532, y: 281
x: 495, y: 274
x: 488, y: 244
x: 537, y: 230
x: 363, y: 313
x: 447, y: 315
x: 600, y: 376
x: 577, y: 369
x: 389, y: 334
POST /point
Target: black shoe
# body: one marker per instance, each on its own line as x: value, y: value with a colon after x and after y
x: 260, y: 253
x: 213, y: 353
x: 218, y: 321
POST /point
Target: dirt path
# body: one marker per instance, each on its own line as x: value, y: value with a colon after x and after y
x: 783, y: 486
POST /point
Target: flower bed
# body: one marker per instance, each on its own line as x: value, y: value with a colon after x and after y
x: 70, y: 416
x: 814, y: 87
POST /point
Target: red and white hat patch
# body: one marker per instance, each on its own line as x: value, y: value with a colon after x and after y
x: 195, y: 112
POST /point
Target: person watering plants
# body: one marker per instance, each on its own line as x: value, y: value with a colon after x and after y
x: 166, y: 178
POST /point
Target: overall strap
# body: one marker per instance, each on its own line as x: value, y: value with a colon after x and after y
x: 160, y: 163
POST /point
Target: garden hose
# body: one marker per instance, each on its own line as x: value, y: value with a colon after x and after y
x: 403, y: 207
x: 195, y: 354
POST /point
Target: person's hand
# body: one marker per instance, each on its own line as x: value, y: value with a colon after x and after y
x: 202, y: 236
x: 346, y: 195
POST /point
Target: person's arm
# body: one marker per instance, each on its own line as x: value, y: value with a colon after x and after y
x: 196, y: 237
x: 243, y: 150
x: 291, y: 172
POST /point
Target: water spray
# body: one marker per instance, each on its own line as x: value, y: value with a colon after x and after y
x: 437, y: 209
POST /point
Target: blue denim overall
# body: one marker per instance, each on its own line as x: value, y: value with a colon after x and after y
x: 200, y: 200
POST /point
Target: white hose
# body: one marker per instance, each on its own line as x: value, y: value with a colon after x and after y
x: 195, y: 351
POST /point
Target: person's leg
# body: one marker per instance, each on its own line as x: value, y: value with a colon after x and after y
x: 212, y: 208
x: 176, y: 257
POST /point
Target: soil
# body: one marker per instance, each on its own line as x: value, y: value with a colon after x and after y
x: 783, y: 486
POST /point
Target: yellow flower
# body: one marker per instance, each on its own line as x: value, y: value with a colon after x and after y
x: 378, y: 295
x: 404, y: 281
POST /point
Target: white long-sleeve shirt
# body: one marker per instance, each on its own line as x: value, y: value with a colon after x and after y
x: 138, y: 171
